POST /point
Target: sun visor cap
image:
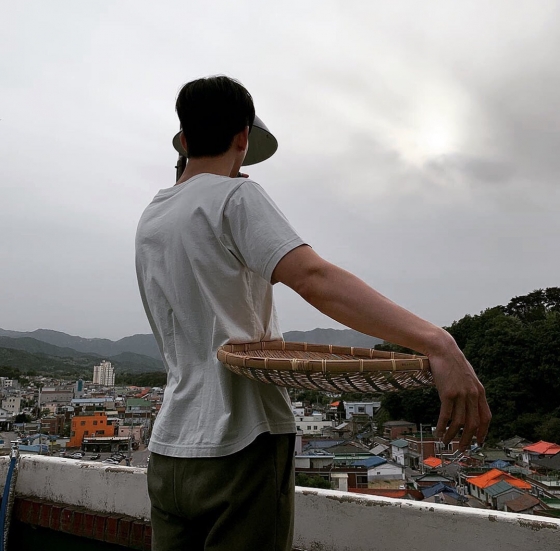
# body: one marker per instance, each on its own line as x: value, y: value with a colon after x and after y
x: 262, y: 144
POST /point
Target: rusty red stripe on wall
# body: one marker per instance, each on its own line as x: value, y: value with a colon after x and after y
x: 126, y: 531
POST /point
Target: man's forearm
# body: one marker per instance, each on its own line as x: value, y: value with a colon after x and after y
x: 347, y: 299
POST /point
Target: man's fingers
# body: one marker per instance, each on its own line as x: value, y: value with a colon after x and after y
x: 457, y: 420
x: 485, y: 416
x: 472, y: 422
x: 445, y: 413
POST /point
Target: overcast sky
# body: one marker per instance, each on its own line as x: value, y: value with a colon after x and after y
x: 419, y: 145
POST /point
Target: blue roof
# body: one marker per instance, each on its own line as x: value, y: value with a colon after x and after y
x: 400, y: 443
x: 499, y: 488
x: 374, y: 461
x: 438, y: 489
x: 500, y: 464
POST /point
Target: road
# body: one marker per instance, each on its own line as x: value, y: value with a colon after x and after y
x: 139, y: 457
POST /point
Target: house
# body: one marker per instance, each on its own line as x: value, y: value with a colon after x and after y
x: 341, y: 477
x: 298, y: 409
x: 428, y: 480
x: 479, y: 485
x: 540, y: 450
x: 312, y: 424
x: 314, y: 459
x: 432, y: 463
x: 379, y: 469
x: 425, y: 444
x: 523, y: 504
x: 348, y: 452
x: 393, y: 429
x: 367, y: 408
x: 380, y: 449
x: 548, y: 463
x: 500, y: 493
x: 442, y: 493
x: 492, y: 456
x: 399, y: 452
x: 513, y: 447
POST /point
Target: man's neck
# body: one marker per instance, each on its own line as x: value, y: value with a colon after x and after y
x: 222, y: 165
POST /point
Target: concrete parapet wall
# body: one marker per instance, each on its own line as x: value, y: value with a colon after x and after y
x: 336, y: 521
x: 325, y: 520
x: 94, y: 486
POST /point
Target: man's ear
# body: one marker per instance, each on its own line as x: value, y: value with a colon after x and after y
x: 183, y: 141
x: 242, y: 139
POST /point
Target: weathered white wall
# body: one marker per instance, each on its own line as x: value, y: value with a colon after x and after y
x: 95, y: 486
x: 325, y: 520
x: 329, y: 521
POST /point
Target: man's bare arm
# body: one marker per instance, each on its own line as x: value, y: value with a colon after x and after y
x: 348, y: 300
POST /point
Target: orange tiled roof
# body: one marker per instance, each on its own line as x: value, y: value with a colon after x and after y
x: 495, y: 475
x: 546, y: 448
x: 433, y: 462
x: 335, y: 404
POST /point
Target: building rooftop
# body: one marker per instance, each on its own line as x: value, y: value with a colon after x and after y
x: 522, y: 503
x: 432, y: 462
x: 369, y: 462
x: 542, y: 447
x: 495, y: 475
x: 499, y: 488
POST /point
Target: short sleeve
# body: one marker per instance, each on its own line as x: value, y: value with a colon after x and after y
x: 257, y: 230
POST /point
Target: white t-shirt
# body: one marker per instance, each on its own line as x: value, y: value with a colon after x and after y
x: 205, y: 253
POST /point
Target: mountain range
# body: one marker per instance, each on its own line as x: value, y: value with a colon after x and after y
x: 59, y: 352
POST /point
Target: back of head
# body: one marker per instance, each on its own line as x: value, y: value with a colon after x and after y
x: 212, y: 111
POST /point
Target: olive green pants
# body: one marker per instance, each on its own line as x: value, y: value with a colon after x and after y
x: 240, y: 502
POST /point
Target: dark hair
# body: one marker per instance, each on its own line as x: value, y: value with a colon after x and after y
x: 212, y: 111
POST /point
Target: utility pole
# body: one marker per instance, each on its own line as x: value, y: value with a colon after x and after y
x: 421, y: 449
x: 39, y: 417
x: 130, y: 440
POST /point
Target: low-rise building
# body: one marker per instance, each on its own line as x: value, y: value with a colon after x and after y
x: 479, y: 486
x: 12, y: 404
x: 394, y: 429
x: 53, y: 424
x: 312, y: 424
x: 137, y: 411
x: 367, y: 408
x: 94, y: 424
x: 540, y: 450
x: 399, y: 452
x: 379, y: 469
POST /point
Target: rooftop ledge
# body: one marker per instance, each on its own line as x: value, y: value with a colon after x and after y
x: 326, y: 520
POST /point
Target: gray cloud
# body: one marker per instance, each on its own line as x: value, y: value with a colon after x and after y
x: 418, y: 146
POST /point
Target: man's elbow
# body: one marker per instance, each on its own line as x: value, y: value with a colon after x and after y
x: 310, y: 286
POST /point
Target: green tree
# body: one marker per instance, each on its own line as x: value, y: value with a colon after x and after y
x: 312, y: 481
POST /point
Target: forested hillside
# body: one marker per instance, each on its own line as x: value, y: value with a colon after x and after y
x: 515, y: 350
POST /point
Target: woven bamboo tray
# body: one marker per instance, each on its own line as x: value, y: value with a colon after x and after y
x: 326, y: 367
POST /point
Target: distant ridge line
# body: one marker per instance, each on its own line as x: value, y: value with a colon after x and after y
x: 145, y: 344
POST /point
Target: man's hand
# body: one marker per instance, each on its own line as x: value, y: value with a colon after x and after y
x: 463, y: 400
x: 347, y: 299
